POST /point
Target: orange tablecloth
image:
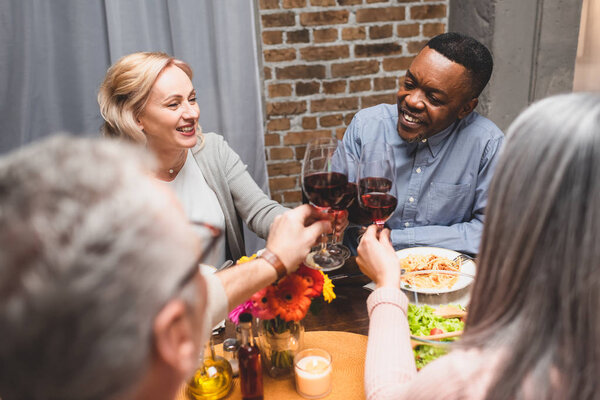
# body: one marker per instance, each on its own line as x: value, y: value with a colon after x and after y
x: 348, y: 356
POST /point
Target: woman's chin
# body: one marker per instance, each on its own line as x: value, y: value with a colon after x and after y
x: 187, y: 142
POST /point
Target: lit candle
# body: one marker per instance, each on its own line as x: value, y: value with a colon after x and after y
x: 313, y: 373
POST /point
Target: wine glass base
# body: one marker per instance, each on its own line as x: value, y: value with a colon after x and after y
x: 339, y: 250
x: 325, y: 263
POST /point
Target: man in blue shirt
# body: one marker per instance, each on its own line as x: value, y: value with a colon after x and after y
x: 444, y: 152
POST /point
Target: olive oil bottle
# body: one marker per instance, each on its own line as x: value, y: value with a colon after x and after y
x: 213, y: 379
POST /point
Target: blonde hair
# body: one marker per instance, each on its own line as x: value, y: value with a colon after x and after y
x: 126, y: 88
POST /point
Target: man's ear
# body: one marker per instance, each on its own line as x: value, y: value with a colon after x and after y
x: 173, y: 336
x: 468, y: 107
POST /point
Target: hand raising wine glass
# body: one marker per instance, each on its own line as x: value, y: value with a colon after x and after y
x: 324, y: 181
x: 377, y: 182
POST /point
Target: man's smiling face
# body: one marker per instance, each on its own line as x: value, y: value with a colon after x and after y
x: 435, y: 93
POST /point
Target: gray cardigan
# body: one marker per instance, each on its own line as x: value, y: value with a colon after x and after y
x: 239, y: 196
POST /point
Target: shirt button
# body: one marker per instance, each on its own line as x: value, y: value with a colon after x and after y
x: 411, y: 199
x: 418, y: 170
x: 407, y: 224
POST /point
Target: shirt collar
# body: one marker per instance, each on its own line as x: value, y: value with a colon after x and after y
x: 434, y: 143
x: 411, y: 147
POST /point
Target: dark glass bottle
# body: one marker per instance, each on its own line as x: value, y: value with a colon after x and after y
x: 251, y: 380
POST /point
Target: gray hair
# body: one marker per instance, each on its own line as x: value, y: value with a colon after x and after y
x: 89, y: 253
x: 537, y: 293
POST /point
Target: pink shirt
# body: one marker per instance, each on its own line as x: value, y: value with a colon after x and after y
x: 390, y: 371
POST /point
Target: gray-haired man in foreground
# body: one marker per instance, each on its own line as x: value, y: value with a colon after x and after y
x: 99, y: 292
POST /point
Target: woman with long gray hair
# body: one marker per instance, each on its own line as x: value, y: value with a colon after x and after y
x: 533, y: 325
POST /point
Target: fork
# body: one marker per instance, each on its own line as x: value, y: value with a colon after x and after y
x: 437, y: 337
x: 462, y: 257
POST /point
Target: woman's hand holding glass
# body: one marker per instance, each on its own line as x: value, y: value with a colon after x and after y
x: 325, y: 181
x: 377, y: 258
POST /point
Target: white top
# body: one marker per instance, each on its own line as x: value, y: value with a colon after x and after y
x: 200, y: 204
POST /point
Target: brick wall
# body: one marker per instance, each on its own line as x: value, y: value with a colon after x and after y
x: 326, y: 59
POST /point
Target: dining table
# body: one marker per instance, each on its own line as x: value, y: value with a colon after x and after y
x: 339, y: 327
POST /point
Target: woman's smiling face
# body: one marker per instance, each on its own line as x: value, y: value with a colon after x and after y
x: 170, y: 118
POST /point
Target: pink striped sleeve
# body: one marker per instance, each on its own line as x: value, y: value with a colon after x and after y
x: 390, y: 359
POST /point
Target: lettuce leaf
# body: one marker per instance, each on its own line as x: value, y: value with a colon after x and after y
x: 421, y: 321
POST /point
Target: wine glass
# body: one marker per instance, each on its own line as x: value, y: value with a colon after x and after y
x: 349, y: 198
x: 377, y: 182
x: 324, y: 181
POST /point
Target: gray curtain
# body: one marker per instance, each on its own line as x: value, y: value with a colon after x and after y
x: 54, y: 54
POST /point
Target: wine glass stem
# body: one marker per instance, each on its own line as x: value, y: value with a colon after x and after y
x: 324, y: 244
x: 333, y: 233
x: 380, y: 226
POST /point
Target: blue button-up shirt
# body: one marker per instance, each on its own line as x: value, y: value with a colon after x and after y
x: 442, y: 182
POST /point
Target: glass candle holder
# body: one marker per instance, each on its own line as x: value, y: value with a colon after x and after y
x: 313, y: 369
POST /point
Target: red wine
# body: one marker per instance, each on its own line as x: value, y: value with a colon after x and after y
x: 381, y: 185
x: 251, y: 381
x: 358, y: 215
x: 379, y: 205
x: 325, y: 189
x: 348, y: 197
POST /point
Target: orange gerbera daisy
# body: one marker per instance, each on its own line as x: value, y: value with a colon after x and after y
x: 290, y: 298
x: 314, y: 279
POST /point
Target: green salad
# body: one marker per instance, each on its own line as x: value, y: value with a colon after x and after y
x: 422, y: 322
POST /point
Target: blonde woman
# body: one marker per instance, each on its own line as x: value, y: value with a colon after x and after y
x: 149, y: 98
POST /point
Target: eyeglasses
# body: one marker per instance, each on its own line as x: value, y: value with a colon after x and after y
x: 209, y: 237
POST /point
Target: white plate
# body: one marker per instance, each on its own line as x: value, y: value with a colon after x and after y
x: 467, y: 267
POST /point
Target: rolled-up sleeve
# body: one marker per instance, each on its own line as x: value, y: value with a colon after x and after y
x: 217, y: 303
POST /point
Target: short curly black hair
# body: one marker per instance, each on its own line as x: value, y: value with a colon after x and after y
x: 468, y: 52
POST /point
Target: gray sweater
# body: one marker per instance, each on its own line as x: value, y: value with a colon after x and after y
x: 239, y: 196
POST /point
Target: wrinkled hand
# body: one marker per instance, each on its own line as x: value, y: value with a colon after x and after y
x: 377, y: 258
x: 293, y: 234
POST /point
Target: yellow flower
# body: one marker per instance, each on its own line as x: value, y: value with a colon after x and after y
x: 245, y: 259
x: 328, y: 293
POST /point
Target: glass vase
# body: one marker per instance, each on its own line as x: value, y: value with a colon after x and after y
x: 279, y: 342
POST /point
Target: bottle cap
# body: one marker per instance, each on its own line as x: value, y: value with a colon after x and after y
x: 231, y: 344
x: 245, y: 317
